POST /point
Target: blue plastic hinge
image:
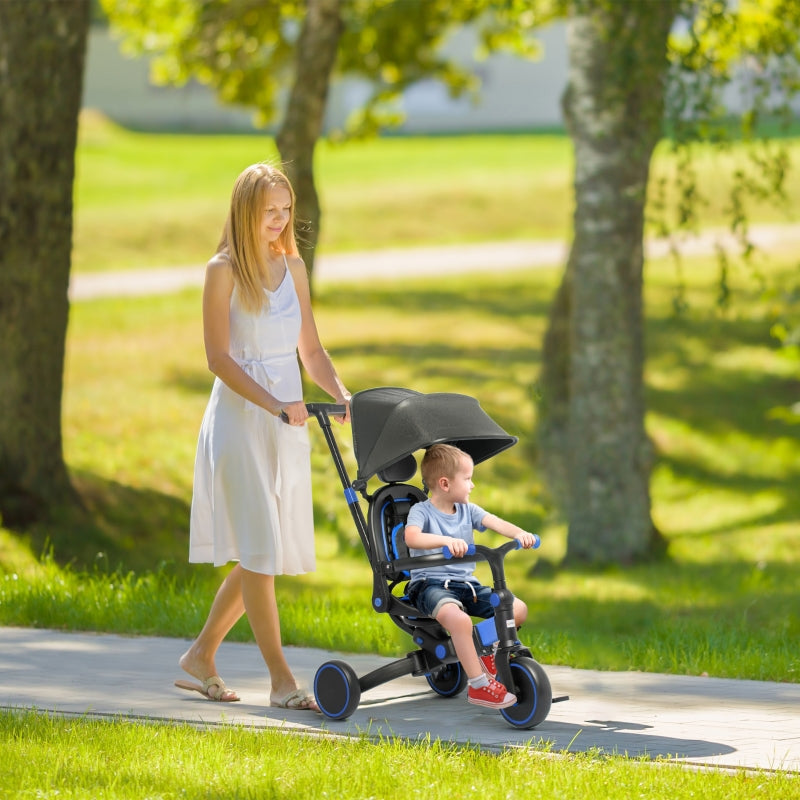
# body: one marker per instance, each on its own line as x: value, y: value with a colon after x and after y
x: 350, y: 495
x: 487, y: 631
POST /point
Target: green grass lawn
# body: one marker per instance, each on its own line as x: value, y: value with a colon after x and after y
x: 159, y: 200
x: 49, y: 757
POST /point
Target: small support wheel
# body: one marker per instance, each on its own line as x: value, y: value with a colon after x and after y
x: 337, y: 690
x: 534, y: 695
x: 447, y: 681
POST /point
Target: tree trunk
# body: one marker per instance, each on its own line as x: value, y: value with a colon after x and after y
x: 593, y: 443
x: 42, y: 50
x: 317, y: 47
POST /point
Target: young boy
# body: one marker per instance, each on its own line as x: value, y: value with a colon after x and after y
x: 452, y: 594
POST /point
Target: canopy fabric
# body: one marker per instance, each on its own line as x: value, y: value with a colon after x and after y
x: 390, y: 422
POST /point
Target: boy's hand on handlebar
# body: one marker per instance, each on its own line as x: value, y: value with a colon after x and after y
x: 458, y: 547
x: 526, y: 539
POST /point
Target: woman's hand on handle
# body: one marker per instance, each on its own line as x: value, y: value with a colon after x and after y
x: 294, y: 413
x: 346, y: 403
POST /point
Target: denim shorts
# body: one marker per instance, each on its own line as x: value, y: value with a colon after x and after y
x: 430, y: 595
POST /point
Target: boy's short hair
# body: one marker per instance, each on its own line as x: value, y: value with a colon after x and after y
x: 441, y: 461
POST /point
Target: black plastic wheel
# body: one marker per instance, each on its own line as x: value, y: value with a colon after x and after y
x: 448, y: 681
x: 534, y: 695
x: 336, y: 689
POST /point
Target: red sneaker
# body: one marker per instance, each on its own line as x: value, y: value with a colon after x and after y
x: 492, y: 696
x: 489, y: 667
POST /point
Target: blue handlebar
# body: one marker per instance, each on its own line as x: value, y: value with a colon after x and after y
x: 515, y: 545
x: 447, y: 554
x: 536, y: 542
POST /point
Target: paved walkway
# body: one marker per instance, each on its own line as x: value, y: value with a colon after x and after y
x: 421, y: 261
x: 697, y: 721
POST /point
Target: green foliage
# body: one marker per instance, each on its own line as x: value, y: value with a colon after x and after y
x: 734, y: 72
x: 751, y: 46
x: 245, y: 49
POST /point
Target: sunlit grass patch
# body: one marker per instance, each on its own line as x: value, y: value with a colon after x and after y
x: 153, y: 200
x: 49, y: 756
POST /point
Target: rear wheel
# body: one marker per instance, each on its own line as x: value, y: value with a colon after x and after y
x: 336, y: 689
x: 448, y: 681
x: 534, y: 695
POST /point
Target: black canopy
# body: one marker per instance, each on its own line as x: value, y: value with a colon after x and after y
x: 390, y: 423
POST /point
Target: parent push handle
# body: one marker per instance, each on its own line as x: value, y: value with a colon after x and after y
x: 322, y: 411
x: 328, y: 409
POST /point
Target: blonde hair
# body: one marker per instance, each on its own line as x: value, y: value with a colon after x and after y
x: 241, y: 236
x: 441, y: 461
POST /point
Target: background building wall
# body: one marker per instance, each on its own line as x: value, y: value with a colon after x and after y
x: 516, y: 94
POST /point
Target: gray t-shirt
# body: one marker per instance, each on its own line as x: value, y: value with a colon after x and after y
x: 460, y: 525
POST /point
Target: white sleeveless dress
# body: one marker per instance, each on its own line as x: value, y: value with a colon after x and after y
x: 252, y: 476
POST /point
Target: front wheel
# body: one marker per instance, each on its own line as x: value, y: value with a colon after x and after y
x: 534, y: 695
x: 448, y: 681
x: 336, y: 689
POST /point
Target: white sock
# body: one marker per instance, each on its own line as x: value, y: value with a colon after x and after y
x: 481, y: 680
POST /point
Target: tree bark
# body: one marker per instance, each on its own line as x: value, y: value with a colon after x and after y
x: 317, y: 47
x: 42, y: 52
x: 593, y: 443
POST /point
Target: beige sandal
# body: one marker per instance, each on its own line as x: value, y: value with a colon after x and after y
x: 212, y: 688
x: 297, y: 700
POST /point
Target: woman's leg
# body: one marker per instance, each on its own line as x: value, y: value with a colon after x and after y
x: 227, y: 608
x: 261, y: 605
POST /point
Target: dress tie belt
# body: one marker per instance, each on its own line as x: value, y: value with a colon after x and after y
x: 265, y: 372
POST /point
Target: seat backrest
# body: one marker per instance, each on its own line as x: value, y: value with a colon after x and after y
x: 388, y: 513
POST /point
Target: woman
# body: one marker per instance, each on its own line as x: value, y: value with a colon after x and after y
x: 252, y: 483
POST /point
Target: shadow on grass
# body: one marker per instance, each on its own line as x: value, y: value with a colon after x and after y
x: 730, y: 406
x: 712, y: 397
x: 788, y: 509
x: 478, y: 294
x: 120, y: 527
x: 468, y: 370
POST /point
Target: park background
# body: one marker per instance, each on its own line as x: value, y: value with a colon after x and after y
x: 722, y: 602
